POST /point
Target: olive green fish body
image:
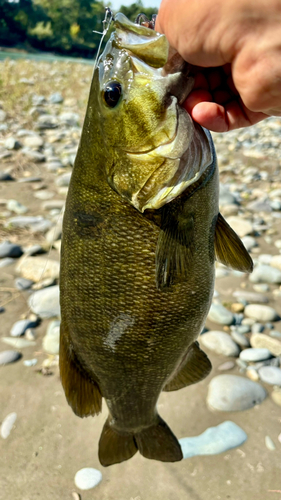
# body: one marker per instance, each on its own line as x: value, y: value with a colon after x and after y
x: 138, y: 252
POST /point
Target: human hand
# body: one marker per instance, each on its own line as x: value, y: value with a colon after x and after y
x: 236, y: 45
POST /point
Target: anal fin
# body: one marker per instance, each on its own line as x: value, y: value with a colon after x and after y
x: 82, y: 393
x: 229, y: 249
x: 194, y: 368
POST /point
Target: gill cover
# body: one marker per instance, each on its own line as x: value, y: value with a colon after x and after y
x: 155, y: 151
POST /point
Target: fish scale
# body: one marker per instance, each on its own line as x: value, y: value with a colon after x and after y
x: 136, y: 284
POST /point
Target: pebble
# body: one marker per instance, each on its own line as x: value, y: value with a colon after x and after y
x: 220, y: 342
x: 33, y: 141
x: 219, y: 314
x: 227, y: 365
x: 23, y: 284
x: 5, y: 176
x: 275, y: 333
x: 7, y: 261
x: 234, y: 393
x: 257, y: 328
x: 7, y: 425
x: 270, y: 375
x: 249, y: 242
x: 63, y: 180
x: 17, y: 207
x: 213, y: 440
x: 37, y: 268
x: 18, y: 342
x: 54, y: 233
x: 7, y: 357
x: 12, y: 144
x: 254, y: 354
x: 35, y: 156
x: 87, y: 478
x: 276, y: 396
x: 240, y: 339
x: 252, y: 374
x: 45, y: 302
x: 21, y: 326
x: 261, y: 287
x: 51, y: 341
x: 55, y: 98
x: 261, y: 313
x: 260, y: 340
x: 8, y: 249
x: 276, y: 261
x: 69, y: 118
x: 220, y: 272
x: 242, y: 329
x: 30, y: 362
x: 240, y: 226
x: 45, y: 121
x: 37, y: 223
x: 44, y: 194
x: 251, y: 296
x: 269, y: 443
x: 265, y: 274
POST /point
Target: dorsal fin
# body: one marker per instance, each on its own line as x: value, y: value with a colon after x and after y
x: 229, y: 249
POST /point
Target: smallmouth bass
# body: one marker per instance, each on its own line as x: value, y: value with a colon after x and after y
x: 141, y: 232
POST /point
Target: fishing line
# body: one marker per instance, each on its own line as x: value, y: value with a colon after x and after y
x: 108, y: 18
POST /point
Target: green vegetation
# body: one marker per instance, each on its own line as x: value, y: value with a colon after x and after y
x: 62, y: 26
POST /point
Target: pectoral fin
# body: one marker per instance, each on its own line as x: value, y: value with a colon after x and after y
x: 174, y: 250
x: 82, y: 393
x: 194, y: 368
x: 229, y: 249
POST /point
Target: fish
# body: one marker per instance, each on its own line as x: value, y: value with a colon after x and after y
x: 141, y: 233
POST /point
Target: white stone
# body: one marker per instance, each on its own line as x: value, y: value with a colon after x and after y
x: 87, y: 478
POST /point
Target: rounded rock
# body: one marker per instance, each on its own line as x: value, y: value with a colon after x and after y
x: 45, y: 302
x: 265, y: 274
x: 260, y: 312
x: 261, y: 340
x: 8, y: 249
x: 219, y: 314
x: 220, y: 342
x: 253, y: 354
x: 87, y: 478
x: 270, y: 375
x: 7, y: 357
x: 240, y: 339
x: 234, y: 393
x: 7, y: 425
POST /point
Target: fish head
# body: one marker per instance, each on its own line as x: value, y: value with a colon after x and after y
x: 153, y: 149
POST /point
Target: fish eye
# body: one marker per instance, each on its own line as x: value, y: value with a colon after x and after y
x: 112, y: 94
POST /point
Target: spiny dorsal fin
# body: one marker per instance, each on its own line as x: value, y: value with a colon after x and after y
x: 229, y: 249
x: 174, y: 248
x: 194, y: 368
x: 82, y: 394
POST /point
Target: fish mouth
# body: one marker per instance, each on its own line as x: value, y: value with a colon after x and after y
x: 177, y: 164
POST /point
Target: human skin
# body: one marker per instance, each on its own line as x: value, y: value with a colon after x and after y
x: 234, y: 47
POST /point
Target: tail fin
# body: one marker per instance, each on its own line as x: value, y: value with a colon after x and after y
x: 156, y: 442
x: 115, y: 447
